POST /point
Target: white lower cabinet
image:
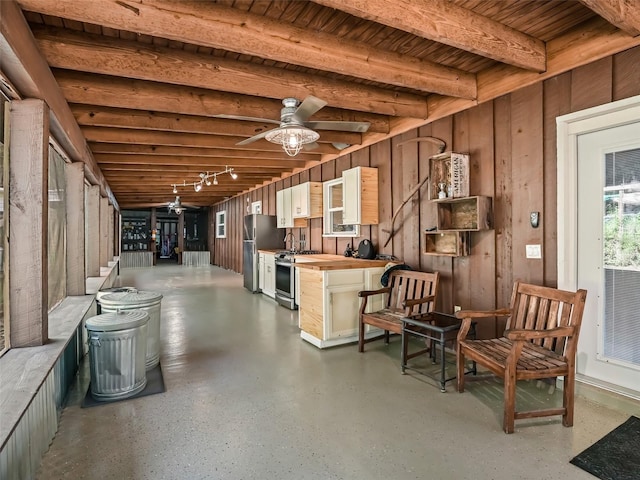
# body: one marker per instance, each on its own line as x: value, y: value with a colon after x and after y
x: 261, y: 271
x: 329, y: 304
x: 267, y: 275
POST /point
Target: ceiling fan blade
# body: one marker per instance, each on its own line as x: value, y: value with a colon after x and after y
x: 360, y: 127
x: 308, y: 107
x: 254, y: 138
x: 250, y: 119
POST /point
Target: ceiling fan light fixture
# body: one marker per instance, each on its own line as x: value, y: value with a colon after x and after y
x: 292, y: 138
x: 176, y: 206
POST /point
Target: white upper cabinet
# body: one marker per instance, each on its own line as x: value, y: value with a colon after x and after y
x: 296, y: 203
x: 360, y: 196
x: 306, y: 200
x: 283, y: 208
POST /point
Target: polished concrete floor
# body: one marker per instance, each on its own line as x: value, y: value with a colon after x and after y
x: 248, y: 399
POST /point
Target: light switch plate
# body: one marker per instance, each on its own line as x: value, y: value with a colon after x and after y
x: 534, y: 251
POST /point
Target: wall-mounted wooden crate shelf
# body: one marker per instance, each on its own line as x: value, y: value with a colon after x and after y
x: 451, y: 169
x: 465, y: 214
x: 448, y: 244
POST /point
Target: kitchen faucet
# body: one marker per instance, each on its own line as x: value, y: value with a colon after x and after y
x: 293, y: 242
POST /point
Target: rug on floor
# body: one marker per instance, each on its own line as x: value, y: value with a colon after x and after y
x: 155, y: 384
x: 616, y: 456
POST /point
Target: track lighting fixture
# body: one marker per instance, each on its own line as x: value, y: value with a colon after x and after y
x: 205, y: 179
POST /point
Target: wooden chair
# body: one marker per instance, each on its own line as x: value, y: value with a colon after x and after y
x: 540, y: 341
x: 408, y: 293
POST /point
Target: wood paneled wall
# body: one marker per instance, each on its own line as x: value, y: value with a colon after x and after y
x: 512, y: 147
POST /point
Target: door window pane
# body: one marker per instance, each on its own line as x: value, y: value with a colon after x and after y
x: 621, y: 248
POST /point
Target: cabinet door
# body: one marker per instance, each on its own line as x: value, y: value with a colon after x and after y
x: 351, y: 196
x: 261, y: 268
x: 270, y: 274
x: 283, y: 208
x: 300, y: 200
x: 341, y: 311
x: 372, y: 282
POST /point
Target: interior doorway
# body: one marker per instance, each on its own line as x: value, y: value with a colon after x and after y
x: 599, y: 238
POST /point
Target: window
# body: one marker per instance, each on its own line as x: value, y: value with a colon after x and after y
x: 333, y: 211
x: 221, y: 226
x: 56, y: 229
x: 4, y: 162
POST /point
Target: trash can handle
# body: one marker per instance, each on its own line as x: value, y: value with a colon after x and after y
x: 95, y: 341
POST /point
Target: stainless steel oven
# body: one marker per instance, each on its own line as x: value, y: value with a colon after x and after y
x: 285, y: 281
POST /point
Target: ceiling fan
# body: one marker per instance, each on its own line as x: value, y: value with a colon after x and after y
x: 295, y: 130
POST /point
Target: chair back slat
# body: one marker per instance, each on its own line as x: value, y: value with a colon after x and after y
x: 543, y: 308
x: 408, y: 284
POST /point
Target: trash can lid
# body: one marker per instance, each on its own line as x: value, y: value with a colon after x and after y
x: 134, y: 298
x: 121, y: 320
x: 108, y: 291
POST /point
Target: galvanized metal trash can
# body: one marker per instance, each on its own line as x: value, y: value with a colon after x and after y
x: 117, y: 351
x: 107, y: 291
x: 147, y: 301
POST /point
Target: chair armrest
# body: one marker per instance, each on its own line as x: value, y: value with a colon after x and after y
x: 520, y: 334
x: 367, y: 293
x: 503, y: 312
x: 418, y: 301
x: 467, y: 315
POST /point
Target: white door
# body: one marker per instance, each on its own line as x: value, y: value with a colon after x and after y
x: 608, y: 256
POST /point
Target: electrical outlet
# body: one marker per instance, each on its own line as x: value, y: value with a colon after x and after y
x: 457, y: 308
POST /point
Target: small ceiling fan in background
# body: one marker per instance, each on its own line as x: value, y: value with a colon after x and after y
x: 295, y: 130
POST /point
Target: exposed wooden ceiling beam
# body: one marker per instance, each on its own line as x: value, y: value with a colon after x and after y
x: 150, y: 121
x: 149, y: 137
x: 231, y: 155
x: 109, y: 168
x: 88, y: 115
x: 624, y: 14
x: 118, y: 92
x: 444, y: 22
x: 230, y: 29
x: 28, y: 71
x: 92, y: 53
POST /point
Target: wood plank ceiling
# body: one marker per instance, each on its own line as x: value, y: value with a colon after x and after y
x: 148, y: 80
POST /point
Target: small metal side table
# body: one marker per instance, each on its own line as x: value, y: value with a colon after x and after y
x: 434, y: 327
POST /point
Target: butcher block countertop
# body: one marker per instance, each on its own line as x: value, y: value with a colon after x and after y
x: 327, y: 261
x: 343, y: 264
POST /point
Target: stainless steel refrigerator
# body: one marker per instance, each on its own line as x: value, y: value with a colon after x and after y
x: 260, y: 233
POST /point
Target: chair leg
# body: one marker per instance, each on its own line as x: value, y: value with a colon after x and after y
x: 508, y: 424
x: 360, y: 335
x: 567, y: 400
x: 460, y: 367
x: 386, y: 337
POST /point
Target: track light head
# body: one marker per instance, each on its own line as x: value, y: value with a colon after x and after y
x: 233, y: 174
x: 197, y: 186
x: 215, y: 179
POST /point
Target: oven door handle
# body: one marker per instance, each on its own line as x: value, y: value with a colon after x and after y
x: 284, y: 264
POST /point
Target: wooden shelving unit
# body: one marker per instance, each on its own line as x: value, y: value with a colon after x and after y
x: 465, y: 214
x: 447, y: 244
x: 135, y: 235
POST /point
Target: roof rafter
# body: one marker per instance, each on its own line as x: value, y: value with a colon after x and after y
x: 443, y: 21
x: 217, y: 26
